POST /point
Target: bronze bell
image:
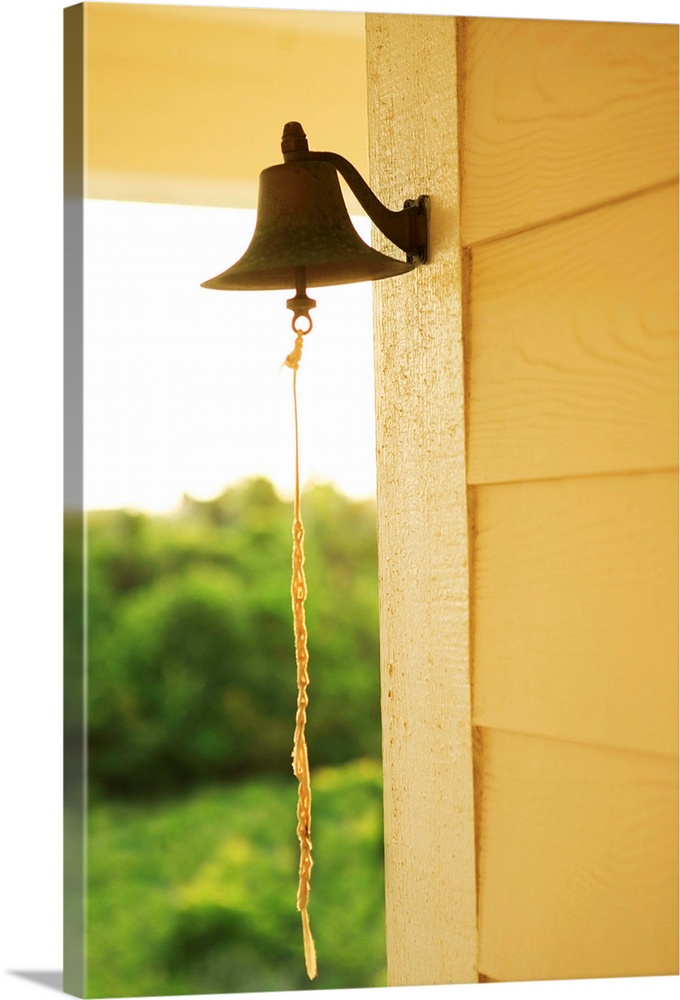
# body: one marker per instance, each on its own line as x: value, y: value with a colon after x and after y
x: 303, y: 223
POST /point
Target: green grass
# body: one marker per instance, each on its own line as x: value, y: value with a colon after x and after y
x: 197, y: 895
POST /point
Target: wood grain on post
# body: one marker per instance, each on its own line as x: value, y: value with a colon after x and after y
x: 422, y: 514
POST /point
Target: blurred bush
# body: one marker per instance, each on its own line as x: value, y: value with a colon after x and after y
x: 192, y: 853
x: 190, y: 645
x: 197, y: 895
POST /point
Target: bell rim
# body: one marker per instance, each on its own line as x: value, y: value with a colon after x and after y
x: 317, y: 276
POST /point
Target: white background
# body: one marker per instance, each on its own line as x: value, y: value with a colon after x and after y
x: 30, y: 519
x: 185, y: 390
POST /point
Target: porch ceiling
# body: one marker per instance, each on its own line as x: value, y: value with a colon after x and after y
x: 187, y: 104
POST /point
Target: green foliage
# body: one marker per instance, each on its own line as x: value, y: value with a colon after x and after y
x: 74, y: 633
x: 192, y: 852
x: 198, y: 895
x: 191, y: 662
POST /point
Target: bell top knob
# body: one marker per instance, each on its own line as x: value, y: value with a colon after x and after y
x: 293, y: 140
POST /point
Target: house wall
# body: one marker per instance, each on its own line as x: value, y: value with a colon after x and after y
x: 568, y: 202
x: 569, y: 221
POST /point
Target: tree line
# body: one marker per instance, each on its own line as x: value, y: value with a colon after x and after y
x: 190, y: 660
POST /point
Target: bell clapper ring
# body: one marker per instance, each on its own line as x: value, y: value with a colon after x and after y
x: 301, y: 303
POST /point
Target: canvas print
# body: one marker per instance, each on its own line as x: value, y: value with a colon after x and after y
x: 370, y: 538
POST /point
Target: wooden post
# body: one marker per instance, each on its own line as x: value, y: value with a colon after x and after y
x: 422, y: 514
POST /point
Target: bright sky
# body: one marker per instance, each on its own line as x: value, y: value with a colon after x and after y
x: 184, y: 390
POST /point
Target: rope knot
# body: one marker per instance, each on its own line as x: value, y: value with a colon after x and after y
x: 293, y: 359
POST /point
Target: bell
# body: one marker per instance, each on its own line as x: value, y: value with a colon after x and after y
x: 302, y: 222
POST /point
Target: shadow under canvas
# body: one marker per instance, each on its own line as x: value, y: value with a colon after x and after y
x: 51, y: 978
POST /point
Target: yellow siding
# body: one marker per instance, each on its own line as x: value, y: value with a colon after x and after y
x: 569, y: 211
x: 578, y: 861
x: 560, y: 116
x: 573, y: 348
x: 576, y: 610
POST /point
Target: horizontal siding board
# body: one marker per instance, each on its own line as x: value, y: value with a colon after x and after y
x: 573, y: 345
x: 575, y: 624
x: 578, y: 861
x: 561, y: 115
